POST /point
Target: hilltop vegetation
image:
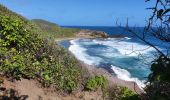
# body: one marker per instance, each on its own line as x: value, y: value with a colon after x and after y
x: 24, y: 54
x: 52, y: 30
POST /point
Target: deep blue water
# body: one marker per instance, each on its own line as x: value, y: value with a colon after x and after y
x: 122, y: 31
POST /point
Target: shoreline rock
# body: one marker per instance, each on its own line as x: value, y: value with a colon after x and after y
x: 91, y: 34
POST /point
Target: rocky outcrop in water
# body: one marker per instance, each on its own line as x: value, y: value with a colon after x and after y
x: 92, y: 34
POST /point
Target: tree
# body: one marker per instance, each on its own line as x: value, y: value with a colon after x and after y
x: 158, y: 27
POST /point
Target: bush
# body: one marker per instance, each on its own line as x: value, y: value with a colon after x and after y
x: 120, y: 93
x: 12, y: 33
x: 13, y: 66
x: 96, y: 82
x: 159, y: 80
x: 127, y: 94
x: 157, y: 91
x: 160, y: 70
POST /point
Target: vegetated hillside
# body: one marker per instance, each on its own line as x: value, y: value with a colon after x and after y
x: 53, y: 30
x: 24, y: 54
x: 7, y: 12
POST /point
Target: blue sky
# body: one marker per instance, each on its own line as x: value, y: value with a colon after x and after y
x: 83, y: 12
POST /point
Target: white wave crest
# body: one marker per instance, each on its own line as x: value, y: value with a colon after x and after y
x: 125, y: 75
x: 127, y: 38
x: 124, y: 47
x: 80, y: 53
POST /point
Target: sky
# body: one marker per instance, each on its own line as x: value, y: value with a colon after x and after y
x: 83, y: 12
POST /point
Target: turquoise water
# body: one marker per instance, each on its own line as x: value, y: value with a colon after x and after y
x: 127, y: 58
x: 114, y: 55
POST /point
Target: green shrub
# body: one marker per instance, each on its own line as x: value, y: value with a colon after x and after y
x: 12, y: 64
x: 127, y: 94
x: 120, y: 93
x: 96, y: 82
x: 16, y: 47
x: 13, y: 33
x: 25, y: 54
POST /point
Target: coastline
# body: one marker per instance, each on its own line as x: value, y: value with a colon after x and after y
x: 84, y: 34
x: 113, y: 80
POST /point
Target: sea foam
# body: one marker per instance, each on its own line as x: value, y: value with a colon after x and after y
x: 126, y: 48
x: 80, y: 53
x: 125, y: 75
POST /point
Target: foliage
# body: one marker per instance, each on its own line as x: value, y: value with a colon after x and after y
x: 120, y: 93
x: 160, y: 70
x: 160, y: 20
x: 1, y: 80
x: 25, y: 53
x: 53, y: 31
x: 13, y: 66
x: 158, y: 26
x: 96, y: 82
x: 159, y: 81
x: 12, y: 32
x: 157, y: 91
x: 6, y: 12
x: 127, y: 94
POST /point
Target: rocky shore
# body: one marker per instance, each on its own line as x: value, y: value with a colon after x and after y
x: 91, y: 34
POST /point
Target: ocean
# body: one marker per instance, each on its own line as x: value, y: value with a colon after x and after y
x: 127, y: 58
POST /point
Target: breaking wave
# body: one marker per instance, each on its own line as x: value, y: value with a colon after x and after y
x: 118, y: 52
